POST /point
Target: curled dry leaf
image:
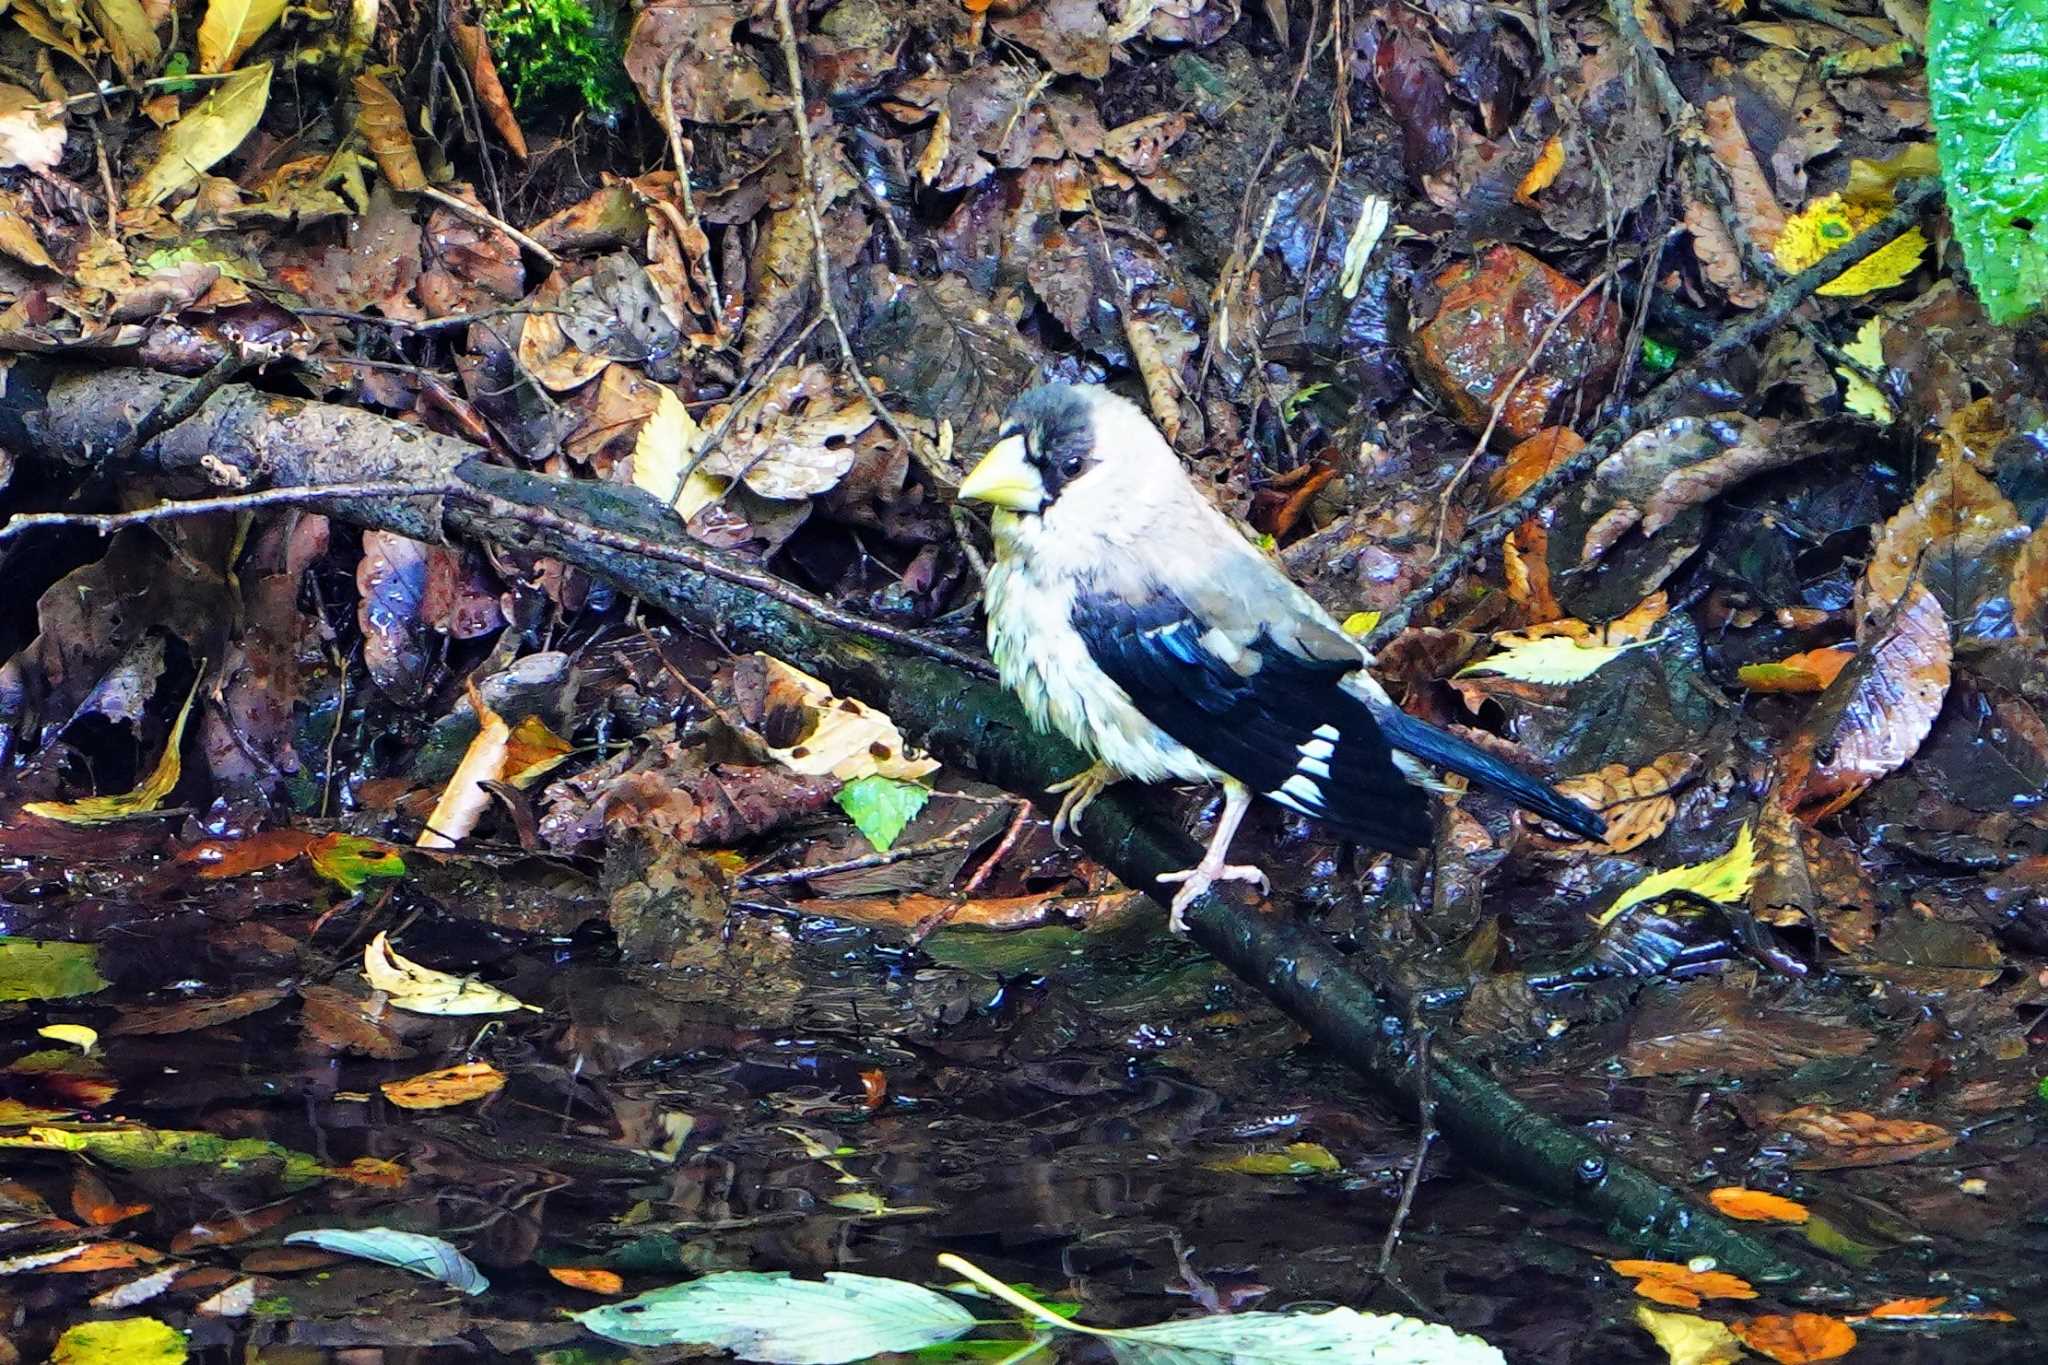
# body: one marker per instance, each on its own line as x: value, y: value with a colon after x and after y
x: 424, y: 990
x: 1959, y: 535
x: 1639, y: 804
x: 1873, y: 717
x: 1809, y: 671
x: 711, y: 79
x: 475, y: 51
x: 381, y: 118
x: 468, y: 794
x: 1748, y: 184
x: 1797, y: 1338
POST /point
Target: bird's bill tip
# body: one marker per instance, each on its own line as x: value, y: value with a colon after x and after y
x: 1005, y: 478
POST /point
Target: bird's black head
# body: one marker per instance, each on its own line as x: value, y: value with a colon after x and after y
x: 1059, y: 437
x: 1048, y: 440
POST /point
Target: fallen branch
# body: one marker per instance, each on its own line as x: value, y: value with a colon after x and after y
x: 621, y: 535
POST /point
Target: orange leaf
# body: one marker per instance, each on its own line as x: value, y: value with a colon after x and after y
x: 583, y: 1277
x: 1757, y: 1207
x: 874, y: 1087
x: 450, y: 1085
x: 1664, y: 1291
x: 1810, y: 671
x: 1541, y: 175
x: 92, y: 1201
x: 1797, y: 1338
x: 234, y: 857
x: 1906, y: 1308
x: 104, y: 1256
x: 375, y: 1172
x: 1669, y: 1282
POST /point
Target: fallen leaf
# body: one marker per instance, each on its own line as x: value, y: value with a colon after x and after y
x: 32, y: 131
x: 231, y: 27
x: 1724, y: 879
x: 1638, y: 805
x: 448, y: 1086
x: 1756, y: 1206
x: 1851, y: 1137
x: 209, y: 132
x: 1681, y: 1286
x: 590, y: 1279
x: 846, y: 738
x: 1809, y: 671
x: 424, y: 990
x: 98, y: 810
x: 1797, y: 1338
x: 381, y: 120
x: 1543, y: 173
x: 467, y: 796
x: 1689, y: 1340
x: 1830, y: 223
x: 1552, y: 659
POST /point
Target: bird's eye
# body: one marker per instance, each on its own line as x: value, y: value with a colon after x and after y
x: 1070, y: 466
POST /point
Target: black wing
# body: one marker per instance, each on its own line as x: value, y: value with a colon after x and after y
x: 1277, y: 722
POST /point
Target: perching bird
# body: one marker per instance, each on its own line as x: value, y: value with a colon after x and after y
x: 1131, y: 616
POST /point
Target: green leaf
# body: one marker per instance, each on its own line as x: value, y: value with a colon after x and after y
x: 429, y: 1257
x: 785, y: 1321
x: 1987, y: 75
x: 881, y: 806
x: 32, y: 969
x: 131, y: 1147
x: 350, y: 861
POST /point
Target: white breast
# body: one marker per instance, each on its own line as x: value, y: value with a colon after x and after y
x: 1030, y: 601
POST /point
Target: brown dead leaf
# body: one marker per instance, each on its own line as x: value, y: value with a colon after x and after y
x: 96, y: 1205
x: 335, y: 1021
x: 99, y: 1256
x: 1681, y: 463
x: 188, y: 1015
x: 475, y: 51
x: 1797, y: 1338
x: 1140, y: 146
x: 1762, y: 216
x: 1706, y: 1026
x: 1873, y: 717
x: 1851, y: 1137
x: 1638, y: 804
x: 2030, y: 585
x: 1804, y: 876
x: 32, y: 131
x: 981, y: 912
x: 794, y: 437
x: 1959, y: 535
x: 381, y: 120
x: 712, y: 79
x: 1756, y: 1206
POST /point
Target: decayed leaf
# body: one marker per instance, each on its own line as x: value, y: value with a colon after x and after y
x: 1681, y: 463
x: 1706, y: 1026
x: 423, y: 990
x: 381, y: 119
x: 1722, y: 879
x: 1827, y: 225
x: 187, y: 1015
x: 209, y: 132
x: 1797, y: 1338
x: 1543, y: 173
x: 1958, y: 535
x: 98, y: 810
x: 32, y: 131
x: 1859, y: 395
x: 845, y: 738
x: 1681, y: 1286
x: 231, y: 27
x: 1689, y: 1340
x: 795, y: 437
x: 1873, y: 717
x: 1748, y: 183
x: 1756, y: 1206
x: 2030, y: 585
x: 121, y: 1341
x: 448, y: 1086
x: 667, y: 445
x: 1638, y: 805
x: 466, y: 797
x: 1808, y: 671
x: 1851, y: 1137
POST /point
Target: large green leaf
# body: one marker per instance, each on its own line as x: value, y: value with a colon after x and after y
x: 1987, y: 72
x: 36, y: 969
x: 882, y: 806
x: 785, y: 1321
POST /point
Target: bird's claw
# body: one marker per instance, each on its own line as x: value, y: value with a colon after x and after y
x: 1196, y: 880
x: 1076, y: 794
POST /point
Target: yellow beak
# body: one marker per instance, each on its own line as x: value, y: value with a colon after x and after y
x: 1005, y: 478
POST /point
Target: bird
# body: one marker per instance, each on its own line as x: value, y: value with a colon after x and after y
x: 1130, y: 615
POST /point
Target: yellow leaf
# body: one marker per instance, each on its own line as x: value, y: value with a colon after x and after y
x: 448, y: 1086
x: 121, y: 1341
x: 534, y: 751
x: 465, y: 798
x: 78, y: 1035
x: 214, y: 128
x: 1689, y: 1340
x: 131, y: 37
x: 1359, y: 624
x: 1541, y: 175
x: 98, y: 810
x: 231, y: 27
x: 1827, y: 225
x: 1724, y: 879
x: 667, y: 445
x: 1550, y: 659
x: 848, y: 739
x: 426, y: 991
x: 1859, y: 395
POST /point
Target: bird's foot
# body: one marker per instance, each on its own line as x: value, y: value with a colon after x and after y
x: 1076, y: 794
x: 1199, y: 878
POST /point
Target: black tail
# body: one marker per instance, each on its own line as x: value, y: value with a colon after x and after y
x: 1446, y: 750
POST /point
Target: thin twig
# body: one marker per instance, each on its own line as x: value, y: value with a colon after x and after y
x: 106, y: 523
x: 674, y: 127
x: 1423, y: 1138
x: 1496, y: 525
x: 175, y: 408
x: 740, y: 398
x: 485, y: 218
x: 952, y: 841
x: 820, y: 257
